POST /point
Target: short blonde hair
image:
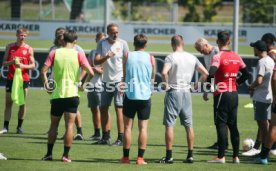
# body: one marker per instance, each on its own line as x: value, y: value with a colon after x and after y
x: 22, y: 30
x: 200, y: 42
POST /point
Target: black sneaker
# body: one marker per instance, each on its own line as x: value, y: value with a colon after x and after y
x: 19, y: 130
x: 189, y: 160
x: 214, y: 146
x: 166, y: 161
x: 117, y: 143
x: 47, y: 158
x: 102, y: 142
x: 93, y: 138
x: 78, y: 137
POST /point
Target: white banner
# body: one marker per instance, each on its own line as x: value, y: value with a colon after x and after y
x: 157, y: 33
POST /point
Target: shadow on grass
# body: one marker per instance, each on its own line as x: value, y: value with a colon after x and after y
x: 117, y: 161
x: 24, y: 136
x: 25, y: 133
x: 243, y: 160
x: 24, y: 159
x: 45, y: 142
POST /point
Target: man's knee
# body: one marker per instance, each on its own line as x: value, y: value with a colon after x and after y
x: 8, y: 102
x: 53, y: 131
x: 104, y: 110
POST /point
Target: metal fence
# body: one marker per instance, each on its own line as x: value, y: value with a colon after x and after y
x: 93, y: 10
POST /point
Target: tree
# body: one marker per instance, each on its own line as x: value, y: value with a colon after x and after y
x: 192, y: 16
x: 208, y: 8
x: 259, y: 11
x: 76, y: 9
x: 135, y: 4
x: 198, y: 10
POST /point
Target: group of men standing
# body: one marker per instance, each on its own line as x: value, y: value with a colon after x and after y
x: 262, y: 91
x: 126, y: 77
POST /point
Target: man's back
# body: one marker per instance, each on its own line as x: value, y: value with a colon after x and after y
x: 66, y: 73
x: 182, y: 67
x: 228, y: 63
x: 138, y: 73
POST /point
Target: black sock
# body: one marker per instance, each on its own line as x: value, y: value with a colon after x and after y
x: 264, y: 153
x: 120, y: 136
x: 168, y: 154
x: 273, y: 146
x: 49, y: 149
x: 141, y: 152
x: 105, y: 135
x: 19, y: 124
x: 66, y: 151
x: 221, y: 154
x: 79, y: 130
x: 257, y: 144
x: 126, y: 152
x: 190, y: 153
x: 102, y: 134
x: 6, y: 124
x: 108, y: 133
x: 97, y: 132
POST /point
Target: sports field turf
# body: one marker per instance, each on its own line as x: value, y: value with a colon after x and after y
x: 25, y: 151
x: 88, y: 45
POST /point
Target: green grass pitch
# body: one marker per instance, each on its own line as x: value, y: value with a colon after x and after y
x: 88, y: 45
x: 25, y: 151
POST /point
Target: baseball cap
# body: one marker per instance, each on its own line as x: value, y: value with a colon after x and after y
x: 260, y: 45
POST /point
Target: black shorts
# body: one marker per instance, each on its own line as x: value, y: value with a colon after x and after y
x: 26, y: 84
x: 142, y: 107
x: 226, y: 108
x: 61, y: 105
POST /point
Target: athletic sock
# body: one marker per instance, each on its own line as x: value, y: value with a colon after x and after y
x: 190, y: 153
x: 49, y: 149
x: 221, y: 153
x: 79, y: 130
x: 120, y: 136
x: 264, y: 153
x: 257, y: 144
x: 66, y: 151
x: 108, y: 133
x: 273, y: 146
x: 105, y: 136
x: 97, y: 132
x: 168, y: 154
x: 126, y: 152
x: 141, y: 152
x: 6, y: 124
x: 19, y: 124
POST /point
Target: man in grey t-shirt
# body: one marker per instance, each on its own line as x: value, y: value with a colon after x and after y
x: 208, y: 51
x: 177, y: 72
x: 261, y: 93
x: 109, y: 53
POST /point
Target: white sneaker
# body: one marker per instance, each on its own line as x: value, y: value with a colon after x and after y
x: 2, y: 157
x: 251, y: 152
x: 273, y: 152
x: 3, y: 131
x: 236, y: 160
